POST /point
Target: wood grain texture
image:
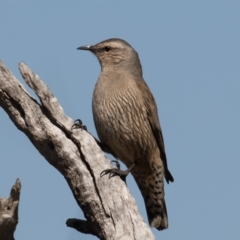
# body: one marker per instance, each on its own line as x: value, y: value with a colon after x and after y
x: 109, y: 208
x: 9, y: 212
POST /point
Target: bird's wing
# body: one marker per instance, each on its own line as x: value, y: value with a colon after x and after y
x: 152, y: 112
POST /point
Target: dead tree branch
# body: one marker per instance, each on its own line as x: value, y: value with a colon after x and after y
x: 9, y: 212
x: 109, y: 208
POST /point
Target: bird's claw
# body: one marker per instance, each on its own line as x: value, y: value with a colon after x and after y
x: 117, y: 172
x: 79, y: 124
x: 117, y: 164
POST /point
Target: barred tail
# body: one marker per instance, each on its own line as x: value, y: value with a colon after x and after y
x: 157, y: 215
x: 152, y: 190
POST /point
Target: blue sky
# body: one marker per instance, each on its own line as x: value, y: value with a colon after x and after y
x: 190, y: 53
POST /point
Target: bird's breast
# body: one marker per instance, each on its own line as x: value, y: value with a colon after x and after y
x: 121, y: 121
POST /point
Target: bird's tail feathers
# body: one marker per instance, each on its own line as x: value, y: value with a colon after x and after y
x: 153, y: 194
x: 157, y: 216
x: 168, y: 176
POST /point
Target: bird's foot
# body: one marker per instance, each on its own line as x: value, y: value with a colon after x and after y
x: 79, y: 124
x: 117, y: 164
x: 117, y: 172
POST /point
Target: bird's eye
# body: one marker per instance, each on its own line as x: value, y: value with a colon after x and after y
x: 107, y: 49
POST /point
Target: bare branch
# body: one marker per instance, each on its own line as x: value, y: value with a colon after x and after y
x: 110, y: 210
x: 9, y: 212
x: 80, y: 225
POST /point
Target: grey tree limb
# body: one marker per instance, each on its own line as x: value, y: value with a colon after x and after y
x: 109, y: 208
x: 9, y: 212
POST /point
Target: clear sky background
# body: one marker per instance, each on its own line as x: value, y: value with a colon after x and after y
x: 190, y: 53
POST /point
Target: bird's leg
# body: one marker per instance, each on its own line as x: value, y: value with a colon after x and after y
x: 117, y: 171
x: 79, y: 124
x: 113, y: 171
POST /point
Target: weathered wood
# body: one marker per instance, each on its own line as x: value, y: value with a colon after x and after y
x: 109, y: 208
x: 9, y: 212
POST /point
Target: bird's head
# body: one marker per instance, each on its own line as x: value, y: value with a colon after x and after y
x: 114, y: 54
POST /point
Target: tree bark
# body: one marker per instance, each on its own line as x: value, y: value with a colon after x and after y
x: 109, y: 208
x: 9, y: 212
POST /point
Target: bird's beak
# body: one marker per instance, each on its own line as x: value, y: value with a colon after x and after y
x: 88, y: 47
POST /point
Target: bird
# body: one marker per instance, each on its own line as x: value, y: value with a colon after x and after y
x: 126, y: 119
